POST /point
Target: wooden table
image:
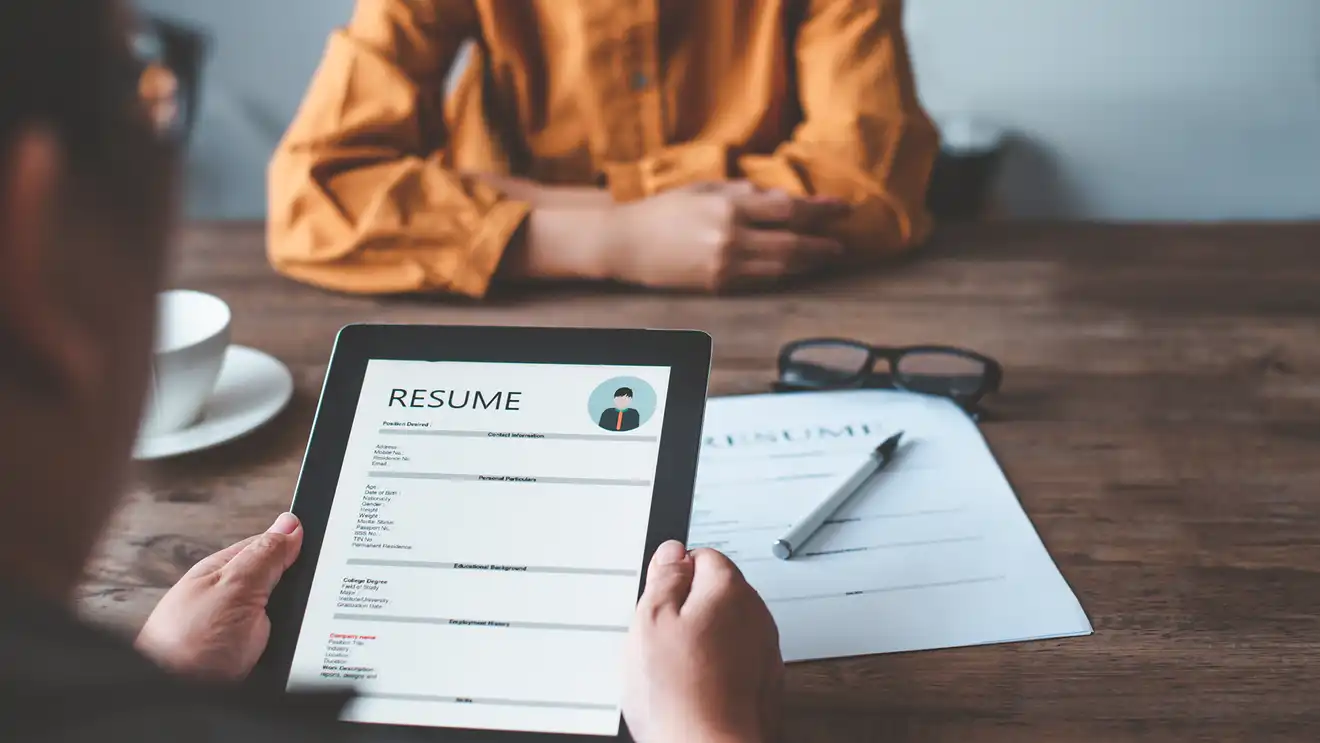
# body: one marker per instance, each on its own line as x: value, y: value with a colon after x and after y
x: 1160, y: 421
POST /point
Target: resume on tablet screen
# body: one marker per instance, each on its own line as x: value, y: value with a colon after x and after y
x: 483, y: 553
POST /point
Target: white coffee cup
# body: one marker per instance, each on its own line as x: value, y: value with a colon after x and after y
x: 192, y: 335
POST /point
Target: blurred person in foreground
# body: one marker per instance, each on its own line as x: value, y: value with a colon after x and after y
x: 85, y: 205
x: 683, y: 144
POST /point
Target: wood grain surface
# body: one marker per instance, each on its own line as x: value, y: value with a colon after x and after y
x: 1160, y: 421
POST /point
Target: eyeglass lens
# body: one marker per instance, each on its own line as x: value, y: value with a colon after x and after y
x: 827, y: 364
x: 940, y: 373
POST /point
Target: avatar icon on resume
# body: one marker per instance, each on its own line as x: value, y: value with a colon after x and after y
x: 623, y: 416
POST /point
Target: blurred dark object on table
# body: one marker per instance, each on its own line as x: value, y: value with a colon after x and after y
x: 171, y: 56
x: 963, y: 180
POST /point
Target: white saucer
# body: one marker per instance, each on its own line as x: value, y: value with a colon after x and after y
x: 253, y: 388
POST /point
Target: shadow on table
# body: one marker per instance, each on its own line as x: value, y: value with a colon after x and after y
x: 191, y: 478
x: 513, y: 295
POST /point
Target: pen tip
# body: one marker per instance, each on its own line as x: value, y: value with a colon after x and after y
x: 888, y: 446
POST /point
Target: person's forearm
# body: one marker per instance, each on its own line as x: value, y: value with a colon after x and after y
x: 568, y: 235
x: 565, y: 242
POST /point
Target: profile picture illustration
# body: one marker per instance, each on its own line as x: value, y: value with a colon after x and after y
x: 622, y: 404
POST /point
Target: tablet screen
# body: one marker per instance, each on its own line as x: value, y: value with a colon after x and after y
x: 483, y: 552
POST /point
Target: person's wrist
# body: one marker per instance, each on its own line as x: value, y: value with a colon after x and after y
x: 563, y: 242
x: 616, y: 241
x: 590, y: 254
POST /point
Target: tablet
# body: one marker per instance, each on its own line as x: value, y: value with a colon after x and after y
x: 480, y: 505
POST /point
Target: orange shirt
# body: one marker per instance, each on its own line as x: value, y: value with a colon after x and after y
x: 810, y: 96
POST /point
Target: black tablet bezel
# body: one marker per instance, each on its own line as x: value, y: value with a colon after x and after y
x: 686, y: 353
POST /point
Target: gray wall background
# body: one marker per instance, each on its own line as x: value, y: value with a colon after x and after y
x: 1121, y: 109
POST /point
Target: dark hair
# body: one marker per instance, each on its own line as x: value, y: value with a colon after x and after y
x: 623, y: 392
x: 66, y: 68
x: 66, y: 65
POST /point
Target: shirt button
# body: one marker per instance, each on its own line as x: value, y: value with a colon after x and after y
x: 640, y: 80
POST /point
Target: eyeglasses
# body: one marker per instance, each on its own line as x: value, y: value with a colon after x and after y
x: 836, y: 363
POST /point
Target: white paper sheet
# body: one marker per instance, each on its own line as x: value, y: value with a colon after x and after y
x: 934, y: 552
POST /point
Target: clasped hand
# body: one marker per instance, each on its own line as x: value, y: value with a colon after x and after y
x: 703, y: 663
x: 721, y: 236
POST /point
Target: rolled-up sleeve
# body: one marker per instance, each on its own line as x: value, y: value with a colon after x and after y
x: 361, y: 198
x: 864, y: 136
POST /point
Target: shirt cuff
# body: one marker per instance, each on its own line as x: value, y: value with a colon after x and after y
x: 498, y: 226
x: 795, y: 169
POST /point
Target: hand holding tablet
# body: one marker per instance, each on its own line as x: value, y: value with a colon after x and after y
x: 480, y: 505
x: 703, y: 661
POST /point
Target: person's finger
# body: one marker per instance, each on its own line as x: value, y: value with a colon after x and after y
x: 261, y: 564
x: 754, y: 243
x: 814, y: 253
x: 772, y: 703
x: 772, y: 207
x: 731, y: 188
x: 759, y: 271
x: 217, y: 560
x: 772, y: 691
x: 714, y: 579
x: 286, y: 523
x: 813, y: 212
x: 668, y: 579
x: 740, y: 188
x: 779, y: 209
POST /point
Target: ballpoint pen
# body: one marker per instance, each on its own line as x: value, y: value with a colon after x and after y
x: 803, y: 528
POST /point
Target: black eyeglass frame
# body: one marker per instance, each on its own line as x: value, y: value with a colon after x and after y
x: 991, y: 378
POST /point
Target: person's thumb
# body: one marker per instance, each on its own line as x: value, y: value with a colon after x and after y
x: 261, y: 564
x: 668, y: 579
